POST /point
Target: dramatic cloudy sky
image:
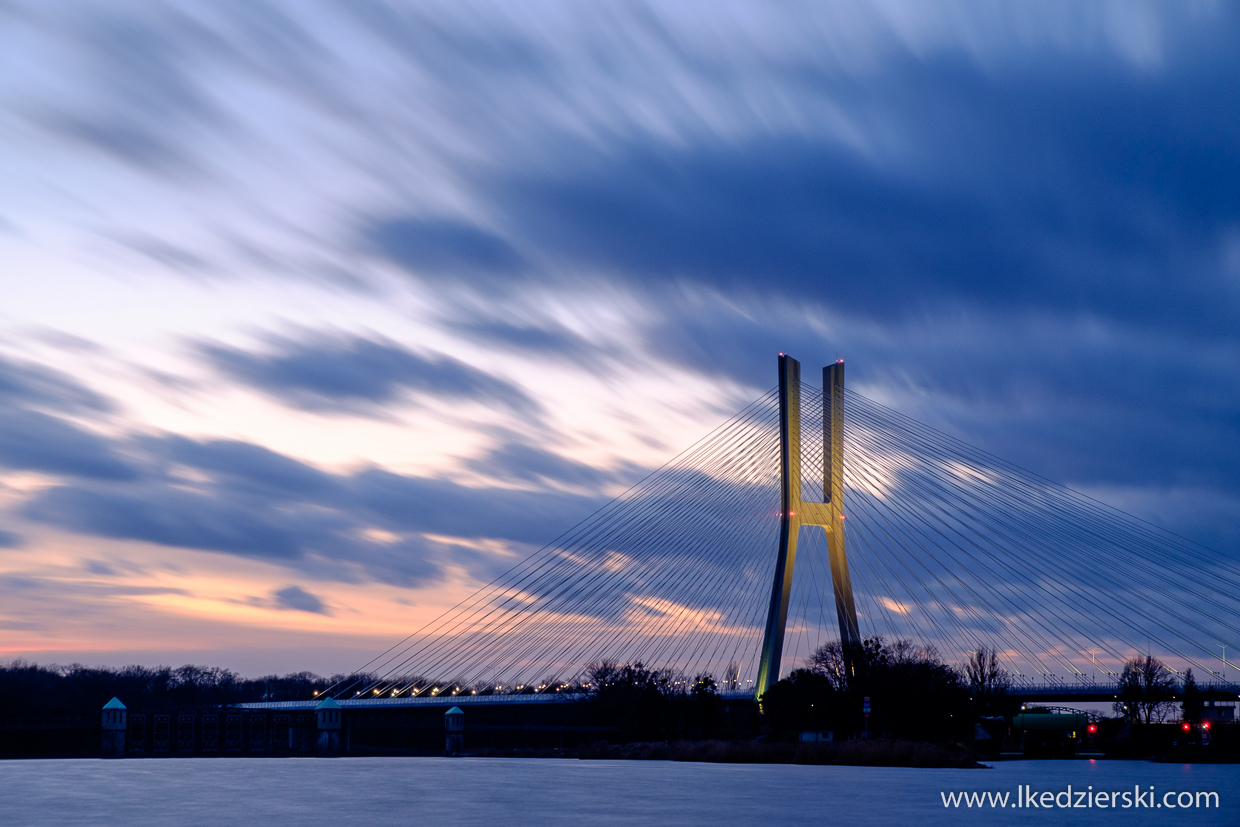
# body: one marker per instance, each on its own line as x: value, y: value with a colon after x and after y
x: 314, y: 315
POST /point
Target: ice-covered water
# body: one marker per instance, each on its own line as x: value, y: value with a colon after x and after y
x: 417, y: 791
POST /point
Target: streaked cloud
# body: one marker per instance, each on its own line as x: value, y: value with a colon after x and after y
x: 360, y: 375
x: 435, y: 249
x: 36, y: 436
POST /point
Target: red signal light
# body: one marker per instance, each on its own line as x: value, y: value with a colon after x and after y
x: 1092, y: 728
x: 1206, y: 725
x: 1186, y: 726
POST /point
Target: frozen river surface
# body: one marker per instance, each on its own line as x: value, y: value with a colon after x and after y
x: 447, y: 791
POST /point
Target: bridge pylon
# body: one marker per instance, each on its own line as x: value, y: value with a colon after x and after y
x: 796, y: 512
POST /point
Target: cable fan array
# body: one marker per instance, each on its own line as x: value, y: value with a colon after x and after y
x: 960, y: 549
x: 673, y: 573
x: 949, y: 547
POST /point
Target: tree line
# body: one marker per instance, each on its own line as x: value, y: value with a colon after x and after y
x: 642, y: 703
x: 913, y: 693
x: 29, y: 690
x: 653, y: 704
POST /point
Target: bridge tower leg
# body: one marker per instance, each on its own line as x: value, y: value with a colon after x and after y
x: 833, y: 489
x: 789, y: 524
x: 795, y: 512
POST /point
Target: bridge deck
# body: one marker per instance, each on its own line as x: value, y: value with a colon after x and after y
x: 1082, y: 692
x: 447, y: 700
x: 1106, y: 692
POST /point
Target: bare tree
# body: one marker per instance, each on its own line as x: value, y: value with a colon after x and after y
x: 828, y: 661
x: 988, y: 682
x: 903, y: 651
x: 1146, y: 688
x: 984, y: 675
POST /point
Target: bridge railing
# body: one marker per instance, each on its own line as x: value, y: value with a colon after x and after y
x: 1071, y: 688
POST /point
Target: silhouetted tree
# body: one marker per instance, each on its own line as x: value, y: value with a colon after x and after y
x: 1191, y: 704
x: 876, y: 654
x: 828, y: 661
x: 1146, y: 687
x: 31, y: 690
x: 913, y: 694
x: 805, y: 700
x: 637, y: 699
x: 705, y: 706
x: 988, y: 682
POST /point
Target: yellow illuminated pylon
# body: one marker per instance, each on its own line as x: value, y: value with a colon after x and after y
x: 796, y: 512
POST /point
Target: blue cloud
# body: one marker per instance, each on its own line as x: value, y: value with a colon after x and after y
x: 173, y: 517
x: 517, y: 460
x: 804, y: 217
x: 298, y: 599
x: 145, y: 100
x: 536, y: 337
x: 359, y: 375
x: 442, y: 248
x: 248, y: 467
x: 34, y: 441
x: 440, y: 506
x: 34, y: 438
x: 31, y: 385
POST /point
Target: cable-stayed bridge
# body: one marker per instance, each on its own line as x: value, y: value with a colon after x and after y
x: 814, y: 515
